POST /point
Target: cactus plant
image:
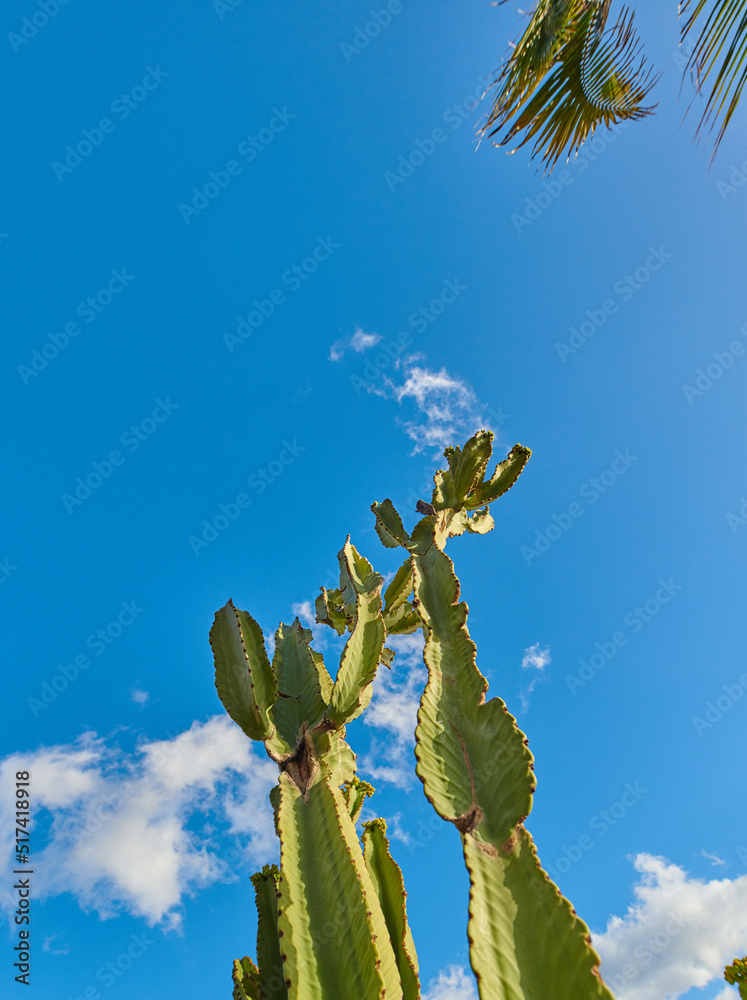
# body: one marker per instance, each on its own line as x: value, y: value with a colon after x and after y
x: 736, y: 975
x: 526, y: 942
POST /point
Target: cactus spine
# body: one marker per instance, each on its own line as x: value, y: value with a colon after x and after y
x: 332, y: 919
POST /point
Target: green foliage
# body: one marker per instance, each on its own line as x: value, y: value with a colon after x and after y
x: 736, y: 974
x: 332, y: 919
x: 569, y: 73
x: 719, y: 54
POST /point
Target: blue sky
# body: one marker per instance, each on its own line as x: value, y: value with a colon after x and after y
x: 280, y: 267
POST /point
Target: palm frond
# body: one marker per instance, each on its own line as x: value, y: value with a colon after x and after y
x: 569, y: 75
x: 721, y: 52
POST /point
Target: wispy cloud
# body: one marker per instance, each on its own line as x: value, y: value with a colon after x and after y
x: 304, y: 611
x: 359, y: 342
x: 713, y: 858
x: 135, y: 832
x: 452, y: 984
x: 49, y: 945
x: 306, y: 614
x: 446, y: 408
x: 140, y: 698
x: 536, y: 657
x: 396, y: 831
x: 678, y: 934
x: 394, y: 709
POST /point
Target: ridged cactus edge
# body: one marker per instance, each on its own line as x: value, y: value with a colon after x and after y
x: 332, y: 918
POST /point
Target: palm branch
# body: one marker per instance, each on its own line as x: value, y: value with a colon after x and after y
x: 567, y: 75
x: 720, y: 52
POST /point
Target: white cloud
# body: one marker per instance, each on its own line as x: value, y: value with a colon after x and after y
x: 304, y: 611
x: 713, y: 858
x: 359, y: 342
x: 140, y: 698
x: 447, y: 411
x: 394, y: 709
x: 125, y: 830
x: 678, y: 934
x: 728, y: 993
x: 452, y: 984
x: 362, y: 341
x: 448, y: 404
x: 396, y: 831
x: 49, y: 946
x: 536, y: 657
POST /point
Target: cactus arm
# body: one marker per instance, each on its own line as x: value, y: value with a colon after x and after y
x: 300, y: 700
x: 326, y: 895
x: 736, y: 975
x: 390, y: 888
x: 526, y: 942
x: 243, y: 675
x: 331, y: 611
x: 504, y: 477
x: 246, y: 980
x: 466, y: 469
x: 399, y: 588
x: 325, y: 681
x: 337, y: 755
x: 400, y: 618
x: 389, y: 525
x: 269, y: 962
x: 355, y: 794
x: 274, y: 798
x: 360, y: 658
x: 459, y: 738
x: 387, y: 656
x: 458, y: 732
